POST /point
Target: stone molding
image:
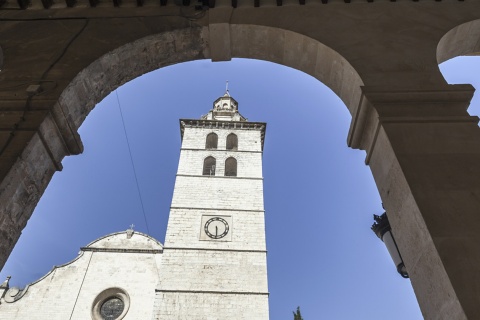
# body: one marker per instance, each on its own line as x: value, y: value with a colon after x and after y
x: 123, y: 232
x: 194, y: 6
x: 213, y: 249
x: 221, y: 177
x: 216, y: 209
x: 121, y: 250
x: 222, y: 150
x: 212, y: 292
x: 379, y: 106
x: 217, y: 124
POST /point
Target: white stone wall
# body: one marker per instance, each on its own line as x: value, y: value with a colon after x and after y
x: 248, y: 153
x: 247, y: 229
x: 207, y: 306
x: 52, y: 297
x: 205, y: 270
x: 218, y: 193
x: 68, y: 291
x: 225, y: 278
x: 248, y: 139
x: 249, y: 164
x: 136, y: 273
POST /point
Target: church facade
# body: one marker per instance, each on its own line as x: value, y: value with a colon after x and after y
x: 213, y: 264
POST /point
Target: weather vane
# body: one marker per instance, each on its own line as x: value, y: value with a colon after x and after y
x: 226, y: 88
x: 132, y: 226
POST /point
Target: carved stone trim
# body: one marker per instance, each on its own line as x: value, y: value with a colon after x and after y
x: 214, y: 292
x: 379, y: 106
x: 121, y: 250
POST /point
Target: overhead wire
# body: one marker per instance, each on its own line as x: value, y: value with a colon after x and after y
x: 131, y: 160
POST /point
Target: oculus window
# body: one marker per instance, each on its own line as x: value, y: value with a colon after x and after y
x: 111, y: 304
x: 112, y: 308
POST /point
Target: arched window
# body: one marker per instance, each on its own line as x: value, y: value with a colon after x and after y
x: 209, y: 166
x: 212, y: 141
x: 231, y: 167
x: 232, y: 141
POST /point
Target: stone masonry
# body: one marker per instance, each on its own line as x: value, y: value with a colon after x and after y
x: 108, y: 266
x: 380, y: 57
x: 203, y: 277
x: 214, y: 266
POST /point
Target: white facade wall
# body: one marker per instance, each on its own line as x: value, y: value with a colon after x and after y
x: 227, y: 193
x: 209, y: 270
x: 205, y: 306
x: 52, y: 297
x: 249, y: 164
x: 68, y: 291
x: 205, y: 278
x: 248, y: 153
x: 248, y: 139
x: 248, y: 229
x: 136, y: 273
x: 198, y: 276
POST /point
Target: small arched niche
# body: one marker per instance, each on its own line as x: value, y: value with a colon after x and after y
x: 211, y: 141
x: 231, y: 167
x: 209, y: 166
x: 232, y: 142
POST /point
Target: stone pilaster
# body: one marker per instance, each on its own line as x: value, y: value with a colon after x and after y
x: 26, y: 181
x: 424, y: 152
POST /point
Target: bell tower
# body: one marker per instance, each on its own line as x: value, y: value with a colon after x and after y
x: 214, y: 261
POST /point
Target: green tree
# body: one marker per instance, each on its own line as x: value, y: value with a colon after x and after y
x: 297, y: 315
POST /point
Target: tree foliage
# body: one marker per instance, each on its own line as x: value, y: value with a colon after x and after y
x: 297, y: 315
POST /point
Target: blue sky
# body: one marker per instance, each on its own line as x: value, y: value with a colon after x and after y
x: 319, y: 195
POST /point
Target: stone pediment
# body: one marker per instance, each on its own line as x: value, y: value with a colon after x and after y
x: 125, y: 241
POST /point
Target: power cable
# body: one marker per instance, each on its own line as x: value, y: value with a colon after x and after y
x: 131, y: 159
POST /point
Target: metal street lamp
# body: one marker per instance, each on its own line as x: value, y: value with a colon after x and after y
x: 382, y: 229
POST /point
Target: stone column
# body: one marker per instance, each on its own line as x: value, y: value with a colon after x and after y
x: 424, y: 152
x: 27, y: 180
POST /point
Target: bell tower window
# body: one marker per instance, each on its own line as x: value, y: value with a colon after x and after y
x: 212, y: 141
x: 231, y: 167
x: 209, y: 166
x: 232, y: 141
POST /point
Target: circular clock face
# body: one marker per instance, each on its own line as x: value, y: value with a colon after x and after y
x: 216, y: 228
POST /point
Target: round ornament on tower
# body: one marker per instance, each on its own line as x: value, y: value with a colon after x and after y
x: 216, y: 228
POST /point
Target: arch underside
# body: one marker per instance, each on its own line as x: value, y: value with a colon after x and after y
x: 385, y: 53
x: 463, y: 40
x: 153, y: 52
x: 271, y: 44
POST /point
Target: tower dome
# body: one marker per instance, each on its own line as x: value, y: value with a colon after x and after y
x: 225, y: 108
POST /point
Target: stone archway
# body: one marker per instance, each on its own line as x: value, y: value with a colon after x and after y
x: 422, y: 146
x: 463, y: 40
x: 58, y: 136
x: 150, y: 53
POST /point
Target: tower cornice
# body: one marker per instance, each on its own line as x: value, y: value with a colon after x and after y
x: 218, y: 124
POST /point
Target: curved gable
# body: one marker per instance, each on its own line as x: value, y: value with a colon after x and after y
x: 125, y: 241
